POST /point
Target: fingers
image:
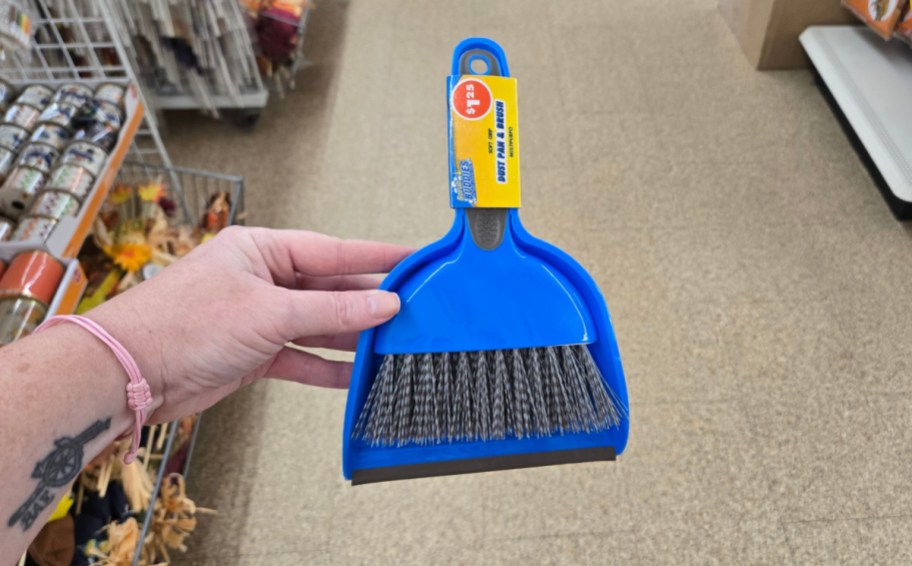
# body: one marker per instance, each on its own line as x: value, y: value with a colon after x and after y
x: 347, y: 342
x: 338, y: 282
x: 327, y: 313
x: 304, y: 367
x: 291, y: 252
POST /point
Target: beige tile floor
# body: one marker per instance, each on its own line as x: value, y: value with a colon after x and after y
x: 757, y: 282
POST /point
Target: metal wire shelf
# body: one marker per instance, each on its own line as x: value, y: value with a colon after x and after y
x: 76, y: 41
x: 210, y: 68
x: 194, y: 189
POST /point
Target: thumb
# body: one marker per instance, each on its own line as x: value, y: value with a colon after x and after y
x: 315, y: 313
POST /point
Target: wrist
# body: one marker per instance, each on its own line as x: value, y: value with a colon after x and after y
x: 138, y: 392
x: 88, y: 365
x: 139, y: 344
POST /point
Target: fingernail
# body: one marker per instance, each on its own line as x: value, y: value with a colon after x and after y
x: 383, y: 304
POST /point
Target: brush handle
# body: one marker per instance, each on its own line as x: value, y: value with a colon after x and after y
x: 486, y: 225
x: 470, y: 48
x: 492, y: 64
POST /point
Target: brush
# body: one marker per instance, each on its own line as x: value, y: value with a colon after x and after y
x: 484, y: 395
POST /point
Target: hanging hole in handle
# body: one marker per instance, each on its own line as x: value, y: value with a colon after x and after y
x: 479, y: 65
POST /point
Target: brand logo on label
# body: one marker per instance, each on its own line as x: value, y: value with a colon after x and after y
x: 464, y: 183
x: 471, y: 99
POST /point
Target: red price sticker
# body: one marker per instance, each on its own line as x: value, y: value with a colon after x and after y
x: 471, y: 99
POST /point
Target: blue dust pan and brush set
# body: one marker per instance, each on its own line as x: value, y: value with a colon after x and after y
x: 503, y: 355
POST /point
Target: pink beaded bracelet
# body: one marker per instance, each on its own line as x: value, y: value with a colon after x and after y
x: 139, y: 396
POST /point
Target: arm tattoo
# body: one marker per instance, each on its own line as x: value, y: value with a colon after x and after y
x: 56, y: 470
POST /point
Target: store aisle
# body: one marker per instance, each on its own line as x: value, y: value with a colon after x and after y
x: 754, y: 275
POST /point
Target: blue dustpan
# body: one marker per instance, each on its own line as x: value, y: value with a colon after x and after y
x: 486, y: 285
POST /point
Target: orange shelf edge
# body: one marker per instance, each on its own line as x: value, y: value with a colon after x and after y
x: 68, y: 295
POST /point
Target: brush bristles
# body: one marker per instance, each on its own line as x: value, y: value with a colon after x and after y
x: 486, y: 395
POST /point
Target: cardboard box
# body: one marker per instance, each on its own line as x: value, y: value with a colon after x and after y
x: 768, y: 29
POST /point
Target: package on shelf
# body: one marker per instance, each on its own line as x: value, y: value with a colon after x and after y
x: 61, y: 195
x: 880, y: 15
x: 34, y: 286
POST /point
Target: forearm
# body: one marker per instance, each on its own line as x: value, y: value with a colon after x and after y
x: 63, y: 401
x: 214, y: 321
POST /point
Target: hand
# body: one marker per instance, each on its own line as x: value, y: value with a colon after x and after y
x: 219, y: 318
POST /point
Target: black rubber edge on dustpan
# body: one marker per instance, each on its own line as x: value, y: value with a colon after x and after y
x: 477, y: 465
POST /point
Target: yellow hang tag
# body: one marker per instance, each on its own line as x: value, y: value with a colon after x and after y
x: 484, y: 142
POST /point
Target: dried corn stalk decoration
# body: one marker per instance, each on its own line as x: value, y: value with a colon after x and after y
x: 119, y: 547
x: 137, y: 228
x: 173, y: 519
x: 135, y: 478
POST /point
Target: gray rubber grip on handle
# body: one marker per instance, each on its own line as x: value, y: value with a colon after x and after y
x: 487, y: 225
